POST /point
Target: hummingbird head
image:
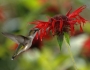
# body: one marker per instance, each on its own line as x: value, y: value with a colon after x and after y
x: 33, y: 31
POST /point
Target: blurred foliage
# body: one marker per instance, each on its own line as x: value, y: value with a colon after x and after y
x: 15, y: 16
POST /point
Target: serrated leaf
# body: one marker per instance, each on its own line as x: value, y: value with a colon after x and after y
x: 60, y: 40
x: 67, y: 37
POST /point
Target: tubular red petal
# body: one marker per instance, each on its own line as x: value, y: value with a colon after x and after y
x: 41, y: 35
x: 82, y: 19
x: 49, y: 30
x: 72, y: 22
x: 40, y: 25
x: 81, y: 28
x: 53, y: 24
x: 76, y: 12
x: 37, y: 36
x: 79, y: 21
x: 61, y: 24
x: 45, y: 26
x: 69, y: 12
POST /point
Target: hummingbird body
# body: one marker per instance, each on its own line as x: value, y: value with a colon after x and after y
x: 24, y: 42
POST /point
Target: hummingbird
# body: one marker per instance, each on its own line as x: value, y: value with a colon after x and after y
x: 24, y: 42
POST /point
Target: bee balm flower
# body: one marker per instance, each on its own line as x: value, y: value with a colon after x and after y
x: 60, y: 24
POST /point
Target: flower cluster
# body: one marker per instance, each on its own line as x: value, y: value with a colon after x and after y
x: 60, y: 23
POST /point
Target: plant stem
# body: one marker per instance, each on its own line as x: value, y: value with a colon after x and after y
x: 68, y: 46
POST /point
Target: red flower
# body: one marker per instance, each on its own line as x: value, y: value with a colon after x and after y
x: 37, y: 43
x: 60, y: 23
x: 86, y: 49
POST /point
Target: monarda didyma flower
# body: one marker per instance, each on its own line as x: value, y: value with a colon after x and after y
x: 61, y: 25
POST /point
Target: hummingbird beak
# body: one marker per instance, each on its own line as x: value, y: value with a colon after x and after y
x: 18, y: 51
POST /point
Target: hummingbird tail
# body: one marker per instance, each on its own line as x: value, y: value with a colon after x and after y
x: 13, y: 57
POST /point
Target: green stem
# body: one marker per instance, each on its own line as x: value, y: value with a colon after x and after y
x: 68, y: 46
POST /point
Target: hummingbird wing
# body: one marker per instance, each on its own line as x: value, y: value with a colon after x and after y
x: 16, y: 38
x: 22, y: 47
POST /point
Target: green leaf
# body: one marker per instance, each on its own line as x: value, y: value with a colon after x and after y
x: 67, y: 37
x: 60, y: 40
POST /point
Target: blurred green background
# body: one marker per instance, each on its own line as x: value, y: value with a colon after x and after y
x: 16, y: 16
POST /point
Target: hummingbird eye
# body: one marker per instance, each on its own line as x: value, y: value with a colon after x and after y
x: 32, y: 31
